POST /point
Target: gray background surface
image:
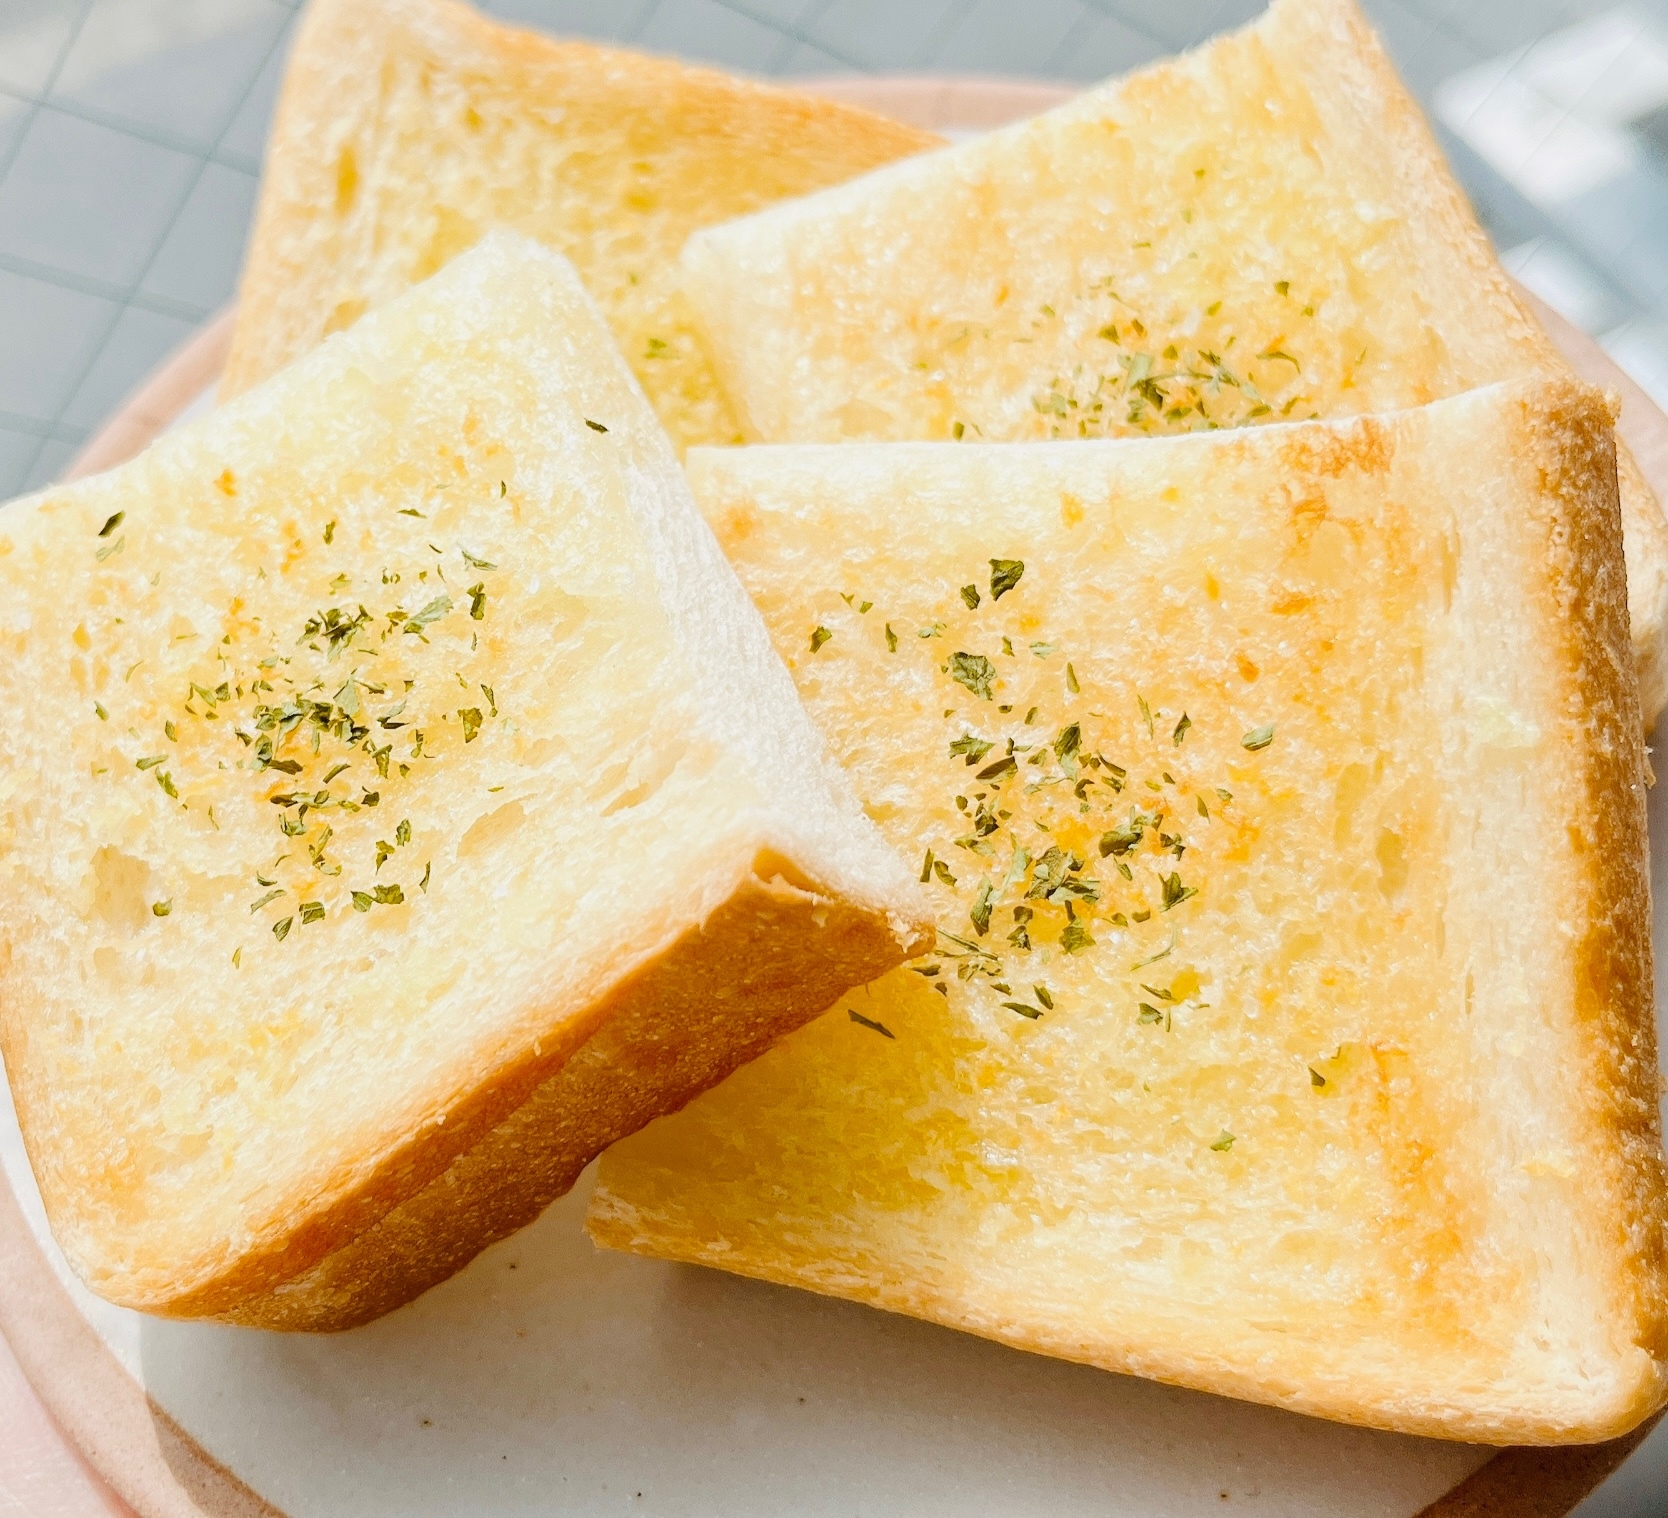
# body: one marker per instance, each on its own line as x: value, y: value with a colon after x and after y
x: 131, y: 134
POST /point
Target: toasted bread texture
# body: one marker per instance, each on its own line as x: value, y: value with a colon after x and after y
x: 418, y: 806
x: 1261, y: 230
x: 407, y: 128
x: 1289, y: 1033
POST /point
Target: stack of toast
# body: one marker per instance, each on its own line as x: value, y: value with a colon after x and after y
x: 1045, y: 733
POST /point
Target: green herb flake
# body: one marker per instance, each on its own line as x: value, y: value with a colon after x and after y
x: 312, y: 911
x: 1223, y: 1142
x: 150, y: 762
x: 981, y: 908
x: 470, y: 717
x: 926, y: 868
x: 362, y: 901
x: 388, y: 895
x: 281, y: 928
x: 162, y: 908
x: 103, y: 716
x: 1068, y: 743
x: 423, y: 884
x: 1146, y: 713
x: 1076, y: 937
x: 475, y: 563
x: 969, y: 748
x: 166, y: 781
x: 1175, y: 893
x: 1071, y: 680
x: 1204, y: 811
x: 595, y: 426
x: 891, y: 639
x: 999, y: 769
x: 1043, y: 995
x: 477, y: 601
x: 974, y: 671
x: 1315, y: 1077
x: 970, y: 594
x: 111, y: 524
x: 819, y: 636
x: 870, y: 1023
x: 1022, y: 1009
x: 433, y: 612
x: 330, y: 531
x: 864, y: 606
x: 110, y: 548
x: 402, y: 834
x: 1004, y: 575
x: 1181, y: 729
x: 1258, y: 738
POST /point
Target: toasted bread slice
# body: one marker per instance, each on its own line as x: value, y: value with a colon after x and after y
x: 1263, y: 229
x: 402, y: 802
x: 1290, y: 1033
x: 407, y: 128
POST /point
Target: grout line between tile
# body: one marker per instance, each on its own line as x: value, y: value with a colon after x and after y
x: 30, y: 426
x: 151, y: 135
x: 131, y: 295
x: 82, y: 284
x: 8, y: 158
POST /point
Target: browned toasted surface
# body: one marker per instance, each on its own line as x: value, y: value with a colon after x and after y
x: 407, y: 128
x: 1356, y: 1114
x: 1263, y: 229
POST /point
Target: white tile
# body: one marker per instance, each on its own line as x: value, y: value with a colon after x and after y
x: 806, y: 59
x: 880, y: 34
x: 17, y: 453
x: 32, y: 36
x: 1105, y: 48
x: 199, y: 262
x: 14, y: 114
x: 88, y: 199
x: 177, y: 67
x: 713, y: 33
x: 786, y: 15
x: 139, y: 342
x: 51, y: 334
x: 999, y: 37
x: 1179, y: 23
x: 1499, y: 26
x: 245, y: 137
x: 50, y: 463
x: 1565, y: 281
x: 603, y: 20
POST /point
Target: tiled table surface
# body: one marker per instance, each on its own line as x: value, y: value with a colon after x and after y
x: 131, y: 134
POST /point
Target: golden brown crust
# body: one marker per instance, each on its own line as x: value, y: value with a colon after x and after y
x: 1426, y: 180
x: 610, y: 156
x: 1574, y: 457
x: 718, y: 997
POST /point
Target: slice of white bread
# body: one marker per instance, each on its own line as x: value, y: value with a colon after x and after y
x: 401, y: 801
x: 407, y: 128
x: 1262, y: 229
x: 1290, y: 1033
